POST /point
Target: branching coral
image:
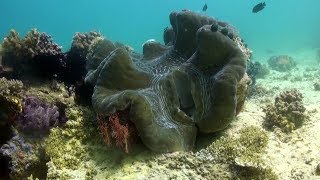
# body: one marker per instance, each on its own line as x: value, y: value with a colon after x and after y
x: 10, y: 106
x: 46, y: 47
x: 12, y: 51
x: 12, y: 43
x: 33, y: 44
x: 75, y: 70
x: 47, y: 58
x: 281, y: 63
x: 171, y: 90
x: 82, y: 41
x: 11, y: 88
x: 35, y: 52
x: 287, y: 112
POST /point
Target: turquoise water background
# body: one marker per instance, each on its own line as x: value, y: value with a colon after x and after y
x: 284, y: 25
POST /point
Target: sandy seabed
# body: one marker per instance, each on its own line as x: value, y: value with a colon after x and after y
x: 297, y: 154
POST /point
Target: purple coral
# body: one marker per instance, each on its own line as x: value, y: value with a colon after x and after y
x: 17, y: 155
x: 39, y: 117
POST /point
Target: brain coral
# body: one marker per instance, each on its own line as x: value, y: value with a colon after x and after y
x: 172, y: 91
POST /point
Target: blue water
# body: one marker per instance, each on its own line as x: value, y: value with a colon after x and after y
x: 284, y: 25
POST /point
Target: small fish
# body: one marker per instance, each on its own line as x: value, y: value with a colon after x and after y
x: 258, y: 7
x: 205, y: 7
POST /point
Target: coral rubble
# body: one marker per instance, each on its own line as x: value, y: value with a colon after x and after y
x: 287, y: 112
x: 173, y: 91
x: 281, y: 63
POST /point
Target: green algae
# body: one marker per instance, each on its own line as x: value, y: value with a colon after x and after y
x: 244, y: 153
x: 66, y: 146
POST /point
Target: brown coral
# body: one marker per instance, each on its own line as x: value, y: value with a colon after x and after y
x: 287, y: 113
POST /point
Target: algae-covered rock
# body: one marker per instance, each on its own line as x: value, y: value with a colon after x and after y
x: 23, y: 158
x: 249, y: 146
x: 256, y: 70
x: 229, y: 157
x: 66, y: 146
x: 171, y: 90
x: 316, y: 86
x: 317, y: 171
x: 281, y: 63
x: 244, y: 154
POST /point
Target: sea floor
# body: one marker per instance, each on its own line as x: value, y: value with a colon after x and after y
x: 292, y: 155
